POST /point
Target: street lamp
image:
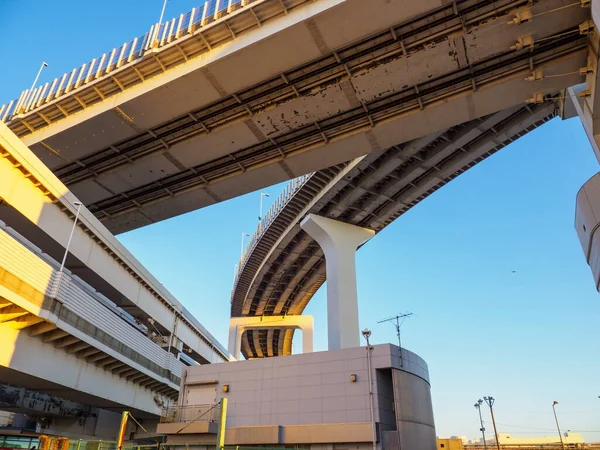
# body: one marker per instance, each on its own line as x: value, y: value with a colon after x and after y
x: 162, y: 13
x: 30, y: 93
x: 62, y: 264
x: 262, y: 194
x: 242, y: 251
x: 482, y: 429
x: 367, y: 334
x: 490, y: 402
x: 562, y: 444
x: 44, y: 64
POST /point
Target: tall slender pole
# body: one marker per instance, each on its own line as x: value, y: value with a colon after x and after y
x: 490, y: 402
x: 162, y: 13
x: 482, y: 429
x: 242, y: 250
x: 366, y: 333
x: 44, y: 64
x: 262, y: 194
x: 62, y: 264
x: 562, y: 444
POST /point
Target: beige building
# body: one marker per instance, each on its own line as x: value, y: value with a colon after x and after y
x: 507, y: 439
x: 312, y: 399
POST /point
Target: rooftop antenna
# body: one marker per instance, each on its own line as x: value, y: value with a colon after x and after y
x: 395, y: 320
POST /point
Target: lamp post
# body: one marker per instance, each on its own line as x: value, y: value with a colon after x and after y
x: 162, y: 13
x: 30, y: 93
x: 242, y: 251
x: 262, y: 194
x: 490, y: 402
x: 367, y: 334
x: 482, y: 429
x: 62, y: 264
x: 44, y: 64
x: 562, y: 444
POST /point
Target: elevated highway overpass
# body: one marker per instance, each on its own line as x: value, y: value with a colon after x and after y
x: 237, y: 95
x: 284, y: 266
x: 101, y: 331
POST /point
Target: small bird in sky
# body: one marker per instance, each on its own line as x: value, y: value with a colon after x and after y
x: 514, y: 271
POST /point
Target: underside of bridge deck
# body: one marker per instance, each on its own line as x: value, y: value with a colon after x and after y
x: 286, y: 267
x: 326, y: 82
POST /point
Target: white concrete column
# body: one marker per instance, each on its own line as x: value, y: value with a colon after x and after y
x: 339, y: 242
x: 234, y: 340
x: 307, y: 337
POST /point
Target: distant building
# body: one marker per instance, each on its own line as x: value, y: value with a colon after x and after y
x: 507, y: 439
x: 452, y: 443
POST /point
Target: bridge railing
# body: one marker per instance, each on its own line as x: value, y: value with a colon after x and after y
x: 191, y: 413
x: 280, y: 202
x: 159, y: 35
x: 80, y: 305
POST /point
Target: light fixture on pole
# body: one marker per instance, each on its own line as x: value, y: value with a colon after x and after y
x: 242, y: 251
x: 482, y: 429
x: 367, y: 334
x: 62, y: 264
x: 490, y: 402
x: 562, y: 444
x: 44, y: 64
x: 262, y: 194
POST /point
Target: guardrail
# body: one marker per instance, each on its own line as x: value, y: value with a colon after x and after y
x: 160, y: 34
x: 192, y: 413
x: 280, y: 202
x: 82, y: 307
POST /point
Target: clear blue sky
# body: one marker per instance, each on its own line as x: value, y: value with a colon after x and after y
x: 526, y: 338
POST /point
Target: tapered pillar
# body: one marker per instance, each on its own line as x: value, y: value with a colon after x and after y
x: 339, y: 242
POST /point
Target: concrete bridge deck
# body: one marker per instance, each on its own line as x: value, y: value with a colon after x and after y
x: 102, y: 331
x: 178, y: 125
x: 37, y: 205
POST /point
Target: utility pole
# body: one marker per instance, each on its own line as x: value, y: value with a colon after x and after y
x: 482, y: 429
x: 562, y: 444
x: 395, y: 320
x: 490, y: 402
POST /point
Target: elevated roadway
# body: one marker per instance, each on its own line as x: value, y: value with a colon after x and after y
x: 238, y: 95
x: 283, y: 266
x: 101, y: 331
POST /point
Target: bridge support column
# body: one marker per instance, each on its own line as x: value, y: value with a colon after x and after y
x: 339, y: 242
x: 238, y: 325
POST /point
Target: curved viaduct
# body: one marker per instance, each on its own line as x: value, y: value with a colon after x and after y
x: 283, y: 266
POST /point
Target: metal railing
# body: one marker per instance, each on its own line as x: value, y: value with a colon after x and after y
x: 192, y: 413
x: 160, y: 34
x: 280, y: 202
x: 79, y: 305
